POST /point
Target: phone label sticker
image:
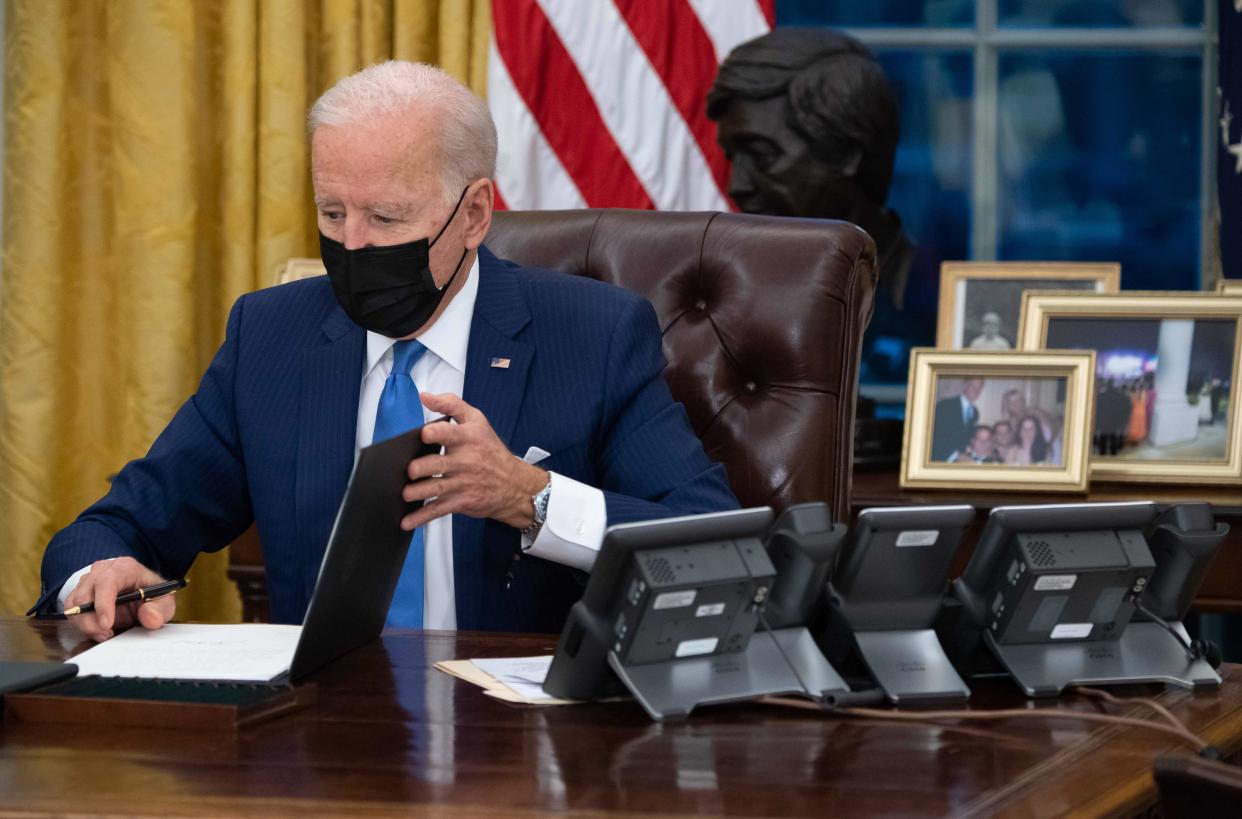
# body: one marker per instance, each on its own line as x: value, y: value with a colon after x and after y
x: 709, y: 610
x: 1072, y: 631
x: 693, y: 648
x: 674, y: 600
x: 1056, y: 582
x: 918, y: 537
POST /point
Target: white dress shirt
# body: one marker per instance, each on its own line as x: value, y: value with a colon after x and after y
x: 983, y: 342
x: 576, y: 518
x: 968, y: 409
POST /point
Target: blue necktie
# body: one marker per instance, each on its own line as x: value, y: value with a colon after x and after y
x: 400, y: 410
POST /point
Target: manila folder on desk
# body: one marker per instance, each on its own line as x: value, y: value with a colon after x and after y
x: 246, y: 652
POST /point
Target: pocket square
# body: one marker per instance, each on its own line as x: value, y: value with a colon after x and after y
x: 534, y: 455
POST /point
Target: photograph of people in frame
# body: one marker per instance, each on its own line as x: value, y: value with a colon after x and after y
x: 989, y: 309
x: 981, y: 302
x: 1163, y: 385
x: 998, y: 420
x: 1009, y: 421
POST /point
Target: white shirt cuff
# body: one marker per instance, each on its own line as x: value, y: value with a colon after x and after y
x: 70, y: 585
x: 574, y: 529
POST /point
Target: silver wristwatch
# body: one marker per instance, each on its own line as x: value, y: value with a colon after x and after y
x: 540, y: 501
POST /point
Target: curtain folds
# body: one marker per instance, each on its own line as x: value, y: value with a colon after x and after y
x: 157, y: 167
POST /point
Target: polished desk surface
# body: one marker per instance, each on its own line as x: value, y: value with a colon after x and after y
x: 391, y: 735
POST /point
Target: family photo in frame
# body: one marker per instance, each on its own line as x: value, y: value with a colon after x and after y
x: 998, y: 420
x: 981, y: 302
x: 1166, y: 368
x: 1015, y: 421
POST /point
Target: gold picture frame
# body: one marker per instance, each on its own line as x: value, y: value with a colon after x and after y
x: 957, y: 320
x: 1153, y: 442
x: 1061, y: 465
x: 1229, y: 287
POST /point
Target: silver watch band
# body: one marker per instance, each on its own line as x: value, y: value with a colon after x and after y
x: 540, y: 502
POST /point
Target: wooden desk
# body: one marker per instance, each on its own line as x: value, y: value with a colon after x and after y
x: 393, y: 736
x: 1222, y: 588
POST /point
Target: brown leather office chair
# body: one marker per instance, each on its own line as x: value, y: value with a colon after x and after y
x: 763, y: 320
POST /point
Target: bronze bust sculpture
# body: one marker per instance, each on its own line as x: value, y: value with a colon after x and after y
x: 810, y: 123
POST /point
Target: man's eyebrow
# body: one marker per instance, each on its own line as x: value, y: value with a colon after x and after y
x: 755, y: 138
x: 394, y: 209
x: 390, y: 208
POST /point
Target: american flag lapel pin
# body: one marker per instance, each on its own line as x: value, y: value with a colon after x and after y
x: 500, y: 363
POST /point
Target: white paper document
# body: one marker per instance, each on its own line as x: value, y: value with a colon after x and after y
x: 512, y: 679
x: 246, y: 652
x: 525, y: 675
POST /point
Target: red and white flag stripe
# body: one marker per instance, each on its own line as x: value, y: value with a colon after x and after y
x: 601, y: 103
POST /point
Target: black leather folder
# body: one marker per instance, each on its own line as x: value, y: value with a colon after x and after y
x: 24, y: 676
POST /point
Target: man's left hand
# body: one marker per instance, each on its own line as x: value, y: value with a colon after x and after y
x: 477, y: 475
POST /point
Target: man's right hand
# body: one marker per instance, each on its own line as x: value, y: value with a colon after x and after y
x: 102, y: 584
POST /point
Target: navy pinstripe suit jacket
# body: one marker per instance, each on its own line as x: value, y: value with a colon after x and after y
x: 269, y: 437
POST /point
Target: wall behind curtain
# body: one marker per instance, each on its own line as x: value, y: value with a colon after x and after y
x: 157, y: 167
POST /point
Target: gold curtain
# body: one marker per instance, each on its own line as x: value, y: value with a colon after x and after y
x: 156, y: 167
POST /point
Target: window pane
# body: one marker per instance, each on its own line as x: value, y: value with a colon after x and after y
x: 1121, y: 13
x: 875, y: 13
x: 1099, y: 161
x: 930, y: 192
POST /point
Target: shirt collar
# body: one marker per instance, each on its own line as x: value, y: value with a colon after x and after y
x: 448, y: 338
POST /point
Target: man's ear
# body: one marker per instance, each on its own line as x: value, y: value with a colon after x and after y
x: 851, y: 162
x: 477, y: 205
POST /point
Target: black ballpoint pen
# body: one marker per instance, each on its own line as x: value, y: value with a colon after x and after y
x: 144, y: 594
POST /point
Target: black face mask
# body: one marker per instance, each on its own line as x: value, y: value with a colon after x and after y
x: 387, y: 290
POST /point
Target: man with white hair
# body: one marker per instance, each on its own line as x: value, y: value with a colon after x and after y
x: 415, y: 320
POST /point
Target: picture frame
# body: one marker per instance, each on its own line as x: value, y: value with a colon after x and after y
x: 1056, y: 389
x: 1229, y: 287
x: 1179, y: 421
x: 970, y: 291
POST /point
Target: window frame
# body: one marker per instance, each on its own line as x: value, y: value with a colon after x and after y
x: 987, y: 38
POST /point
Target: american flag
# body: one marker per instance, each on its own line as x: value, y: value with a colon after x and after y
x: 602, y: 103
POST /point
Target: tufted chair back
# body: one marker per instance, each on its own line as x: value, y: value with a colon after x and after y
x: 763, y: 320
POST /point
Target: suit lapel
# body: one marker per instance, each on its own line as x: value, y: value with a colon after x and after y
x: 500, y: 313
x: 331, y: 381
